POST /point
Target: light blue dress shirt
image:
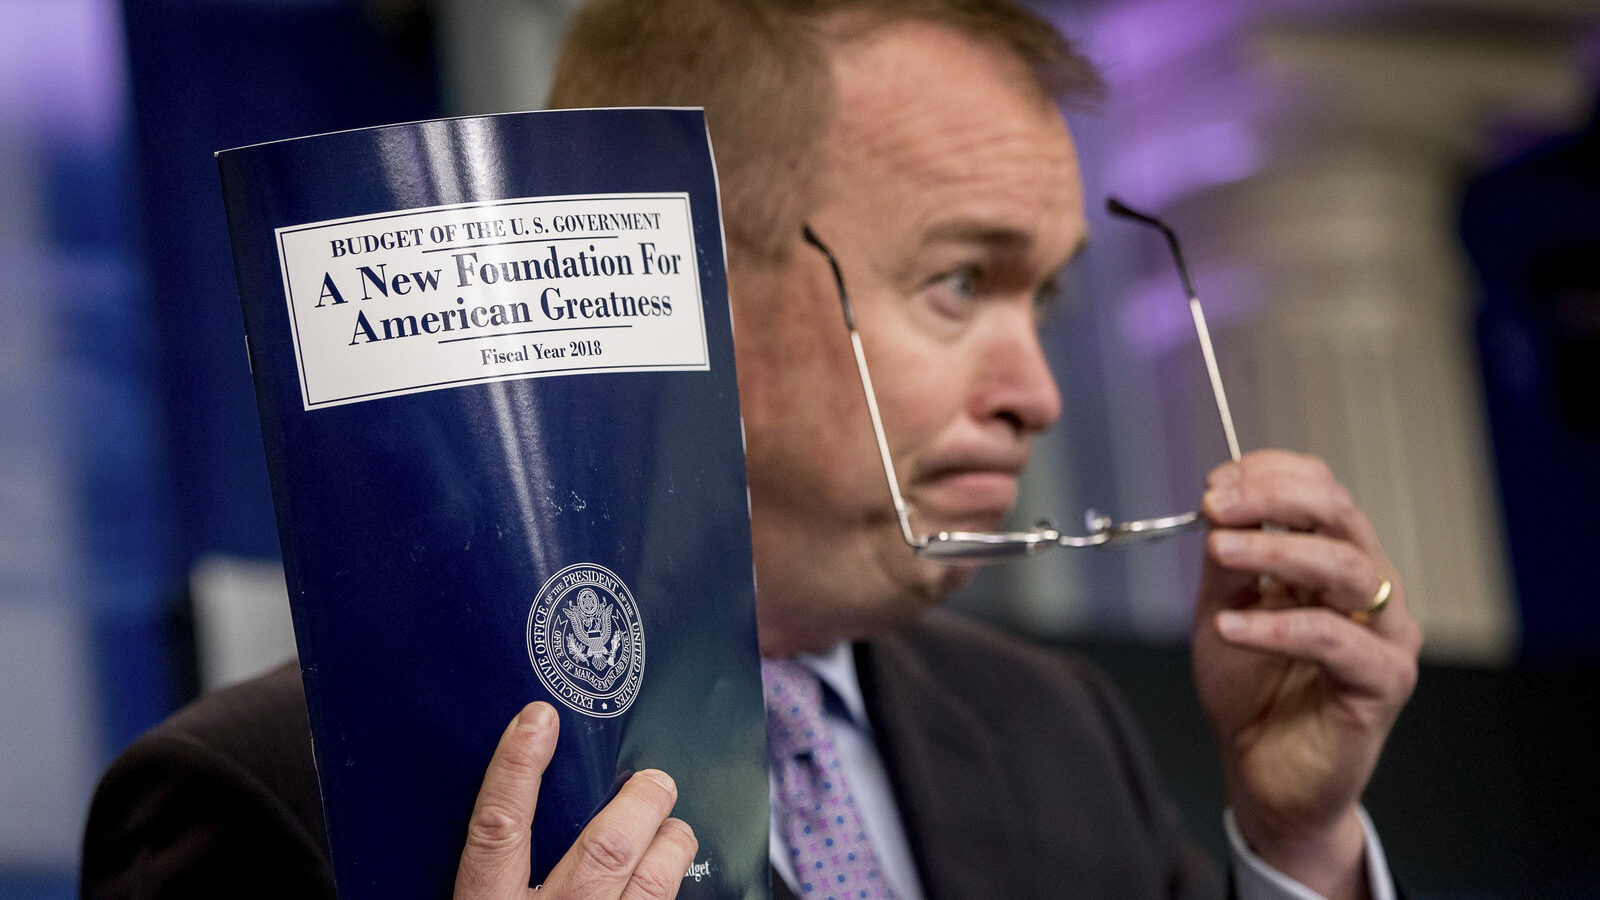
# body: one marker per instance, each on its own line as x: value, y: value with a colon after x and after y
x: 846, y: 716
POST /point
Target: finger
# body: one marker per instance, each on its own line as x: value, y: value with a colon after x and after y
x: 1275, y: 463
x: 660, y: 873
x: 495, y: 862
x: 1335, y: 573
x: 1350, y: 654
x: 604, y: 856
x: 1303, y: 485
x: 1294, y: 491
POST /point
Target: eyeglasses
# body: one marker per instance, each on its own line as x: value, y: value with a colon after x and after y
x: 984, y: 547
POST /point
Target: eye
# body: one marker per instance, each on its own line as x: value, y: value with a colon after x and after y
x: 953, y: 293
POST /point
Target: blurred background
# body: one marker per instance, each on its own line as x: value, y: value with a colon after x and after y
x: 1392, y: 210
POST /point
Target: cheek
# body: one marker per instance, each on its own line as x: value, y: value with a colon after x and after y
x: 921, y: 387
x: 800, y: 400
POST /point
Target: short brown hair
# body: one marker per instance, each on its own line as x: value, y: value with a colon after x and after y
x: 760, y: 68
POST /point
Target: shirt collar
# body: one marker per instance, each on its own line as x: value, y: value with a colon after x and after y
x: 836, y: 667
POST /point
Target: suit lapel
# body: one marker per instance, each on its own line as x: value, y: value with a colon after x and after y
x: 946, y: 770
x: 780, y: 891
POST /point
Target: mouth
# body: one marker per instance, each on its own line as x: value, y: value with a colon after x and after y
x: 966, y: 495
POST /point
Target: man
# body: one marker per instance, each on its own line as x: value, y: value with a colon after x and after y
x: 920, y: 140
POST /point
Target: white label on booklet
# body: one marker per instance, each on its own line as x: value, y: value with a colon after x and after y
x: 422, y: 299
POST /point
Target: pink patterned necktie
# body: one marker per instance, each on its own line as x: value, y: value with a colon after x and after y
x: 828, y: 845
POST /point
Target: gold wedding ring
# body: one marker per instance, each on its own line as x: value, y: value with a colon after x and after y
x: 1380, y: 599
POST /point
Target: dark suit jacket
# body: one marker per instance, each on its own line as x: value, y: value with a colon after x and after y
x: 1018, y: 772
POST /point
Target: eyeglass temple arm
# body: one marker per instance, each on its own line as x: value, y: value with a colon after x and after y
x: 1118, y: 208
x: 866, y: 387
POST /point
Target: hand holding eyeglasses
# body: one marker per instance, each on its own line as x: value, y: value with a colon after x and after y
x: 1300, y: 692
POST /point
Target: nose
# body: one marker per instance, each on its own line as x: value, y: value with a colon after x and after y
x: 1014, y: 384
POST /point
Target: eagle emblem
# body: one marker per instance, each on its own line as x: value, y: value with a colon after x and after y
x: 593, y: 638
x: 586, y: 640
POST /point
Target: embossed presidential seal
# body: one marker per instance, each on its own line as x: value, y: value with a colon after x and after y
x: 586, y: 641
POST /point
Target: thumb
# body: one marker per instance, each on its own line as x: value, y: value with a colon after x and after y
x: 495, y: 862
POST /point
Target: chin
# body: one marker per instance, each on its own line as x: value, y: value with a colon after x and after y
x: 938, y: 580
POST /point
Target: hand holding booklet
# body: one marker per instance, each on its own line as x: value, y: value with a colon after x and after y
x: 494, y: 366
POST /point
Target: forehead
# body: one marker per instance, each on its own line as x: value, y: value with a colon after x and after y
x: 937, y: 134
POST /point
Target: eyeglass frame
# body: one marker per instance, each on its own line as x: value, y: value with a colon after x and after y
x: 988, y: 547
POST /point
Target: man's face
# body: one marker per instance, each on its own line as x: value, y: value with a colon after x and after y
x: 951, y: 200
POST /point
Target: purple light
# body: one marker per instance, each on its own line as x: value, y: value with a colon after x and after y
x: 1179, y: 160
x: 1130, y: 39
x: 62, y: 71
x: 1153, y: 317
x: 1184, y: 100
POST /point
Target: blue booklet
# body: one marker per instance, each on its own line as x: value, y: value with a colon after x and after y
x: 495, y: 372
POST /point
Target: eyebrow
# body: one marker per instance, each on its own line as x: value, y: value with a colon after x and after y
x: 998, y: 237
